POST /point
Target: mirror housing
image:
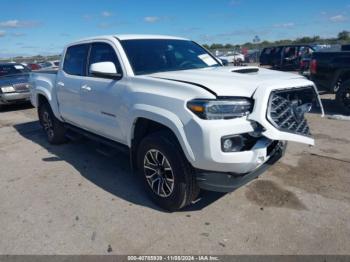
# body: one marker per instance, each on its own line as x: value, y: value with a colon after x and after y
x: 104, y: 69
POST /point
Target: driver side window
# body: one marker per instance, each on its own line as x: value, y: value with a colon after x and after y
x: 103, y: 52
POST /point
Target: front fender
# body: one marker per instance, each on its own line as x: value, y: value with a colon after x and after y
x: 164, y: 117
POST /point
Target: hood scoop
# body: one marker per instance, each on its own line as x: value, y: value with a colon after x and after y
x: 246, y: 70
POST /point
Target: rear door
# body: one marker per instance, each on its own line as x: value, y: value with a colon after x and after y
x: 68, y: 84
x: 290, y: 56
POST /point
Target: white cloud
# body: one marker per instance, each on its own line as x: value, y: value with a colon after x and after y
x: 17, y: 24
x: 2, y: 33
x: 106, y: 14
x: 151, y: 19
x: 285, y: 25
x: 338, y: 18
x: 87, y: 17
x: 18, y: 34
x: 9, y: 23
x: 104, y: 25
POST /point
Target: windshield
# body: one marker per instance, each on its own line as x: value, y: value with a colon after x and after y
x: 14, y: 69
x: 149, y: 56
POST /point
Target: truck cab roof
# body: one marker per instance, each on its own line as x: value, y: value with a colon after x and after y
x: 128, y: 37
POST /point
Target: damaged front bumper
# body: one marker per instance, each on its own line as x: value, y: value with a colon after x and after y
x: 227, y: 182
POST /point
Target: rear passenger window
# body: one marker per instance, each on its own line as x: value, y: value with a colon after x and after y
x: 103, y: 52
x: 75, y: 60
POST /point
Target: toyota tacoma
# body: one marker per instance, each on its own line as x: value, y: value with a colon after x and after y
x: 187, y: 122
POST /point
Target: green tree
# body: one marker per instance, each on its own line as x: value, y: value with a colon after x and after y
x: 216, y: 46
x: 344, y: 35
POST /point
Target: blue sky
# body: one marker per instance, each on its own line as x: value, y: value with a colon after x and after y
x: 44, y: 27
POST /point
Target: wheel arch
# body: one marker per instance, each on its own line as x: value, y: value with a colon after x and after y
x: 43, y: 95
x: 342, y: 74
x: 41, y: 99
x: 154, y: 119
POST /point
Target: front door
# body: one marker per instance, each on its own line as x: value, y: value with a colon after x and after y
x: 101, y: 96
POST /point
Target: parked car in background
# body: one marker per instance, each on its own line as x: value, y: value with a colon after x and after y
x: 187, y: 122
x: 286, y: 57
x: 252, y: 56
x: 305, y: 66
x: 331, y: 71
x: 14, y: 86
x: 49, y: 65
x: 33, y: 66
x: 345, y: 48
x: 233, y: 58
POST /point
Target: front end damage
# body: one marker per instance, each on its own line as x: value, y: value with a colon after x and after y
x: 278, y: 116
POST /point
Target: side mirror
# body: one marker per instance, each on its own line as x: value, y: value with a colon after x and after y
x: 104, y: 69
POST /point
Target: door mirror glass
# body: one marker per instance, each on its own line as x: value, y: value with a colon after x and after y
x: 104, y: 69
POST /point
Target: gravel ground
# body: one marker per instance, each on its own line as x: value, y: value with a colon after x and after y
x: 71, y: 199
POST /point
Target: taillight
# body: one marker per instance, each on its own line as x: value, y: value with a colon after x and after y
x: 313, y: 66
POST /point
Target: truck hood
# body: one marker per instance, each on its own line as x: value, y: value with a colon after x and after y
x: 232, y: 81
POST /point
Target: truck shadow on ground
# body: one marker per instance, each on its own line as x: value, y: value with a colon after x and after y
x: 110, y: 172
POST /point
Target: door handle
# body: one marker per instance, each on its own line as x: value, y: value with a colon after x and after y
x: 86, y: 88
x: 60, y: 84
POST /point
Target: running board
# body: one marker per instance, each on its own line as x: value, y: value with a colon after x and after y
x: 105, y: 141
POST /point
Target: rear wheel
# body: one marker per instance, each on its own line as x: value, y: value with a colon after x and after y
x: 343, y: 96
x: 54, y: 129
x: 166, y: 174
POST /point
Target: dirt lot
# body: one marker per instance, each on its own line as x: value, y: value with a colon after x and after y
x: 71, y: 199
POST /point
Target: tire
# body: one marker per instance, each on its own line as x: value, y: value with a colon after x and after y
x: 54, y: 129
x: 343, y: 97
x: 160, y: 158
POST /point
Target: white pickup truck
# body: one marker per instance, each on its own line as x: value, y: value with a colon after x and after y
x: 188, y: 122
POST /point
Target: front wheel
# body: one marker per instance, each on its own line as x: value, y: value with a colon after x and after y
x: 54, y: 129
x: 166, y: 174
x: 343, y: 96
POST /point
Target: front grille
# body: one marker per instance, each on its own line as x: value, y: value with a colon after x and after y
x: 287, y: 108
x: 21, y: 87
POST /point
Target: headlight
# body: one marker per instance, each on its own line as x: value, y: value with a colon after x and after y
x: 220, y: 109
x: 7, y: 89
